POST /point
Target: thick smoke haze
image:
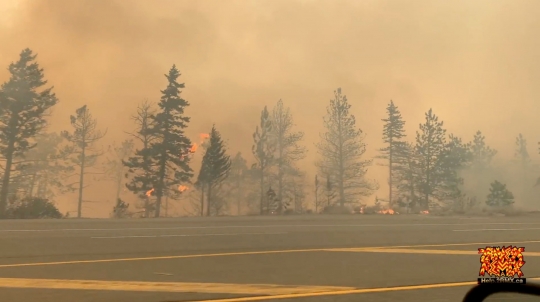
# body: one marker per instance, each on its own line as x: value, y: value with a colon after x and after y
x: 476, y: 63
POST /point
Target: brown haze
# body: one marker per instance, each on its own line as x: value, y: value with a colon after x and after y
x: 476, y: 63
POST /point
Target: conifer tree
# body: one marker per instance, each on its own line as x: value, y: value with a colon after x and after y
x: 482, y: 154
x: 142, y: 170
x: 85, y: 134
x: 171, y: 146
x: 216, y: 165
x: 499, y: 195
x: 263, y: 149
x: 395, y: 148
x: 237, y: 178
x: 521, y: 153
x: 430, y: 147
x: 288, y: 150
x: 24, y: 105
x: 342, y: 149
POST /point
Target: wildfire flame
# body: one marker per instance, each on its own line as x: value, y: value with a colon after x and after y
x: 424, y: 212
x: 149, y: 192
x: 388, y: 212
x: 182, y: 188
x: 195, y: 146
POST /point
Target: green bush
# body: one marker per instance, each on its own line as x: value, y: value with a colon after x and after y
x: 32, y: 208
x: 499, y: 196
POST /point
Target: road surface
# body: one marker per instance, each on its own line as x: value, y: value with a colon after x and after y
x: 292, y: 258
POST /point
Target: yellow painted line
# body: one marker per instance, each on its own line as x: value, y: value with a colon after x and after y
x: 159, y: 257
x: 171, y: 287
x: 422, y: 251
x: 253, y: 253
x: 347, y: 292
x: 412, y: 251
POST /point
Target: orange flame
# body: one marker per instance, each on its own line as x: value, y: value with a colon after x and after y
x: 194, y: 148
x: 204, y: 136
x: 182, y: 188
x: 389, y: 212
x: 424, y: 212
x: 149, y: 192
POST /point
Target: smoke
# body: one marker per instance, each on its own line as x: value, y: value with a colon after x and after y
x: 476, y: 63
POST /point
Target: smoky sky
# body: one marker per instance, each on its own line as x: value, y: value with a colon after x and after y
x: 476, y: 63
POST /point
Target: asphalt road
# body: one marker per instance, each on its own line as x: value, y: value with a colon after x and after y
x: 294, y: 258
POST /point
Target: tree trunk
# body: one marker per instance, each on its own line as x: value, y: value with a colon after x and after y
x: 202, y: 200
x: 239, y: 196
x: 209, y: 198
x: 5, y: 181
x: 390, y: 162
x: 262, y: 190
x: 32, y: 185
x: 81, y: 183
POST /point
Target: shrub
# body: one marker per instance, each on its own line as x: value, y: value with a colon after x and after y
x: 499, y: 196
x: 120, y: 210
x: 33, y: 208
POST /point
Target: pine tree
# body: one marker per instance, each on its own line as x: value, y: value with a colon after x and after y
x: 46, y: 167
x: 215, y: 169
x: 456, y: 158
x: 395, y: 149
x: 23, y: 108
x: 171, y: 146
x: 431, y: 147
x: 237, y: 178
x: 141, y: 170
x: 342, y: 149
x: 482, y: 155
x: 407, y: 177
x: 521, y: 153
x: 263, y: 149
x: 288, y: 150
x: 113, y: 166
x: 499, y: 195
x: 85, y: 134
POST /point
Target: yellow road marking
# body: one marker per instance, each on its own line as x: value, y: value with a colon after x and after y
x: 421, y: 251
x: 252, y: 253
x: 348, y: 292
x: 171, y: 287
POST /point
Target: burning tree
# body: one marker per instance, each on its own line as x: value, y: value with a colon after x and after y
x: 22, y: 114
x: 216, y: 165
x: 171, y: 147
x: 140, y: 167
x: 85, y: 135
x: 342, y: 149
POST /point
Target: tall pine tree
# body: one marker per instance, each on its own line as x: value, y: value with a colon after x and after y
x: 288, y: 150
x: 263, y: 149
x: 431, y: 147
x: 482, y: 154
x: 216, y: 165
x: 23, y: 108
x: 171, y: 146
x: 395, y: 148
x: 141, y: 170
x: 342, y: 149
x: 85, y: 134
